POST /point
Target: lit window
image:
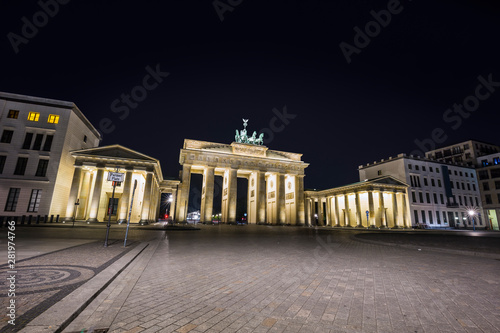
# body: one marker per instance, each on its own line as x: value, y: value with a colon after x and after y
x: 53, y: 119
x: 10, y: 205
x: 13, y: 114
x: 33, y: 116
x: 34, y: 201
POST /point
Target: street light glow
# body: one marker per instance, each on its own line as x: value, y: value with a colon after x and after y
x: 472, y: 213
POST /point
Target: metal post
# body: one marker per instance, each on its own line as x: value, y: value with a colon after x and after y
x: 109, y: 213
x: 74, y: 213
x: 130, y: 213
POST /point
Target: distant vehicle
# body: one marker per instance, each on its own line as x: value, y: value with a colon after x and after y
x: 242, y: 221
x: 193, y: 217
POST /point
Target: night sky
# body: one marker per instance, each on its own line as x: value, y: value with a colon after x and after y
x: 264, y: 56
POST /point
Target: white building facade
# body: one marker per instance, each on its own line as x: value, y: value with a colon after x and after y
x: 440, y: 195
x: 488, y: 173
x: 37, y: 135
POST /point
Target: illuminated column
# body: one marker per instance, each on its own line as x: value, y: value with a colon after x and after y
x: 403, y: 217
x: 96, y: 196
x: 307, y: 206
x: 407, y: 221
x: 347, y: 211
x: 382, y: 210
x: 73, y: 193
x: 280, y: 199
x: 261, y: 197
x: 328, y: 211
x: 313, y: 211
x: 183, y: 195
x: 84, y: 196
x: 299, y: 200
x: 336, y: 214
x: 125, y: 199
x: 207, y: 196
x: 173, y: 197
x: 395, y: 212
x: 146, y: 201
x: 371, y: 209
x: 320, y: 212
x: 232, y: 194
x: 359, y: 222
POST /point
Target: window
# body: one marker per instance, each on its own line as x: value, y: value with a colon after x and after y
x: 431, y: 220
x: 379, y: 172
x: 497, y: 185
x: 444, y: 217
x: 14, y: 114
x: 410, y: 166
x: 496, y: 160
x: 21, y: 166
x: 428, y: 197
x: 48, y: 142
x: 431, y: 169
x: 466, y: 146
x: 435, y: 198
x: 53, y: 119
x: 461, y: 174
x: 487, y: 197
x: 438, y: 218
x: 38, y: 142
x: 484, y: 163
x: 423, y: 216
x: 426, y: 183
x: 413, y: 196
x: 423, y: 168
x: 477, y: 201
x: 33, y: 116
x: 474, y: 187
x: 27, y: 141
x: 416, y: 216
x: 433, y: 183
x: 463, y: 186
x: 11, y: 204
x: 36, y: 195
x: 483, y: 174
x: 417, y: 167
x: 3, y: 158
x: 468, y: 186
x: 458, y: 186
x: 486, y: 186
x: 451, y: 185
x: 7, y: 136
x: 456, y: 173
x: 84, y: 138
x: 439, y: 182
x: 421, y: 197
x: 460, y: 200
x: 437, y: 170
x: 41, y: 170
x: 442, y: 198
x: 495, y: 173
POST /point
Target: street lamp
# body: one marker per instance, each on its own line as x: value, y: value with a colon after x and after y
x: 471, y: 215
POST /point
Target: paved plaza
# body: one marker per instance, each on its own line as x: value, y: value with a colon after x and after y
x: 290, y: 279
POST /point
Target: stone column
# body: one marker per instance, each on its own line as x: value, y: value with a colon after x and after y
x: 173, y: 203
x: 84, y: 196
x: 347, y: 211
x: 395, y: 212
x: 232, y: 194
x: 280, y: 199
x: 183, y: 195
x: 328, y: 211
x: 96, y: 196
x: 359, y: 221
x: 405, y: 210
x: 383, y: 222
x: 125, y: 199
x: 336, y: 213
x: 371, y: 209
x: 207, y: 196
x: 299, y: 199
x: 261, y: 197
x: 73, y: 193
x: 313, y: 211
x: 146, y: 201
x: 320, y: 212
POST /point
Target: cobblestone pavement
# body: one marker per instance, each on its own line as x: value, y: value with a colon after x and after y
x: 43, y: 280
x: 286, y: 279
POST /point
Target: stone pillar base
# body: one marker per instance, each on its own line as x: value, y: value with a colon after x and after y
x: 373, y: 226
x: 396, y: 227
x: 348, y: 226
x: 93, y: 220
x: 337, y: 226
x: 360, y: 226
x: 383, y: 227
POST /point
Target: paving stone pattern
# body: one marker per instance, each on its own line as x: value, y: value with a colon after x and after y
x: 44, y: 280
x: 285, y: 279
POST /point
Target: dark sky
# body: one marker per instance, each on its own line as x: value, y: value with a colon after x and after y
x: 264, y: 55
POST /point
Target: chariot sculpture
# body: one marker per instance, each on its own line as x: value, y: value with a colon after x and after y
x: 242, y: 136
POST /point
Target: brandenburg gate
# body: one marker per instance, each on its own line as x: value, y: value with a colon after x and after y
x: 275, y: 180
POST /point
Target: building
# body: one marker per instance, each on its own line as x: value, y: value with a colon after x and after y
x: 37, y: 136
x: 440, y: 194
x: 377, y: 203
x: 466, y: 152
x: 488, y: 173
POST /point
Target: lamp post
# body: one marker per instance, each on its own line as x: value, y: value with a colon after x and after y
x: 471, y: 215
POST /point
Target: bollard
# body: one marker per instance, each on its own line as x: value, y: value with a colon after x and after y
x: 29, y: 219
x: 57, y: 218
x: 51, y: 218
x: 37, y: 219
x: 1, y: 221
x: 45, y: 218
x: 23, y: 218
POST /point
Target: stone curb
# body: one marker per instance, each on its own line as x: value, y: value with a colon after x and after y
x: 428, y: 248
x: 57, y: 317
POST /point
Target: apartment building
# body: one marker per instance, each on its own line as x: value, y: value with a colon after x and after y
x: 488, y: 172
x: 466, y: 152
